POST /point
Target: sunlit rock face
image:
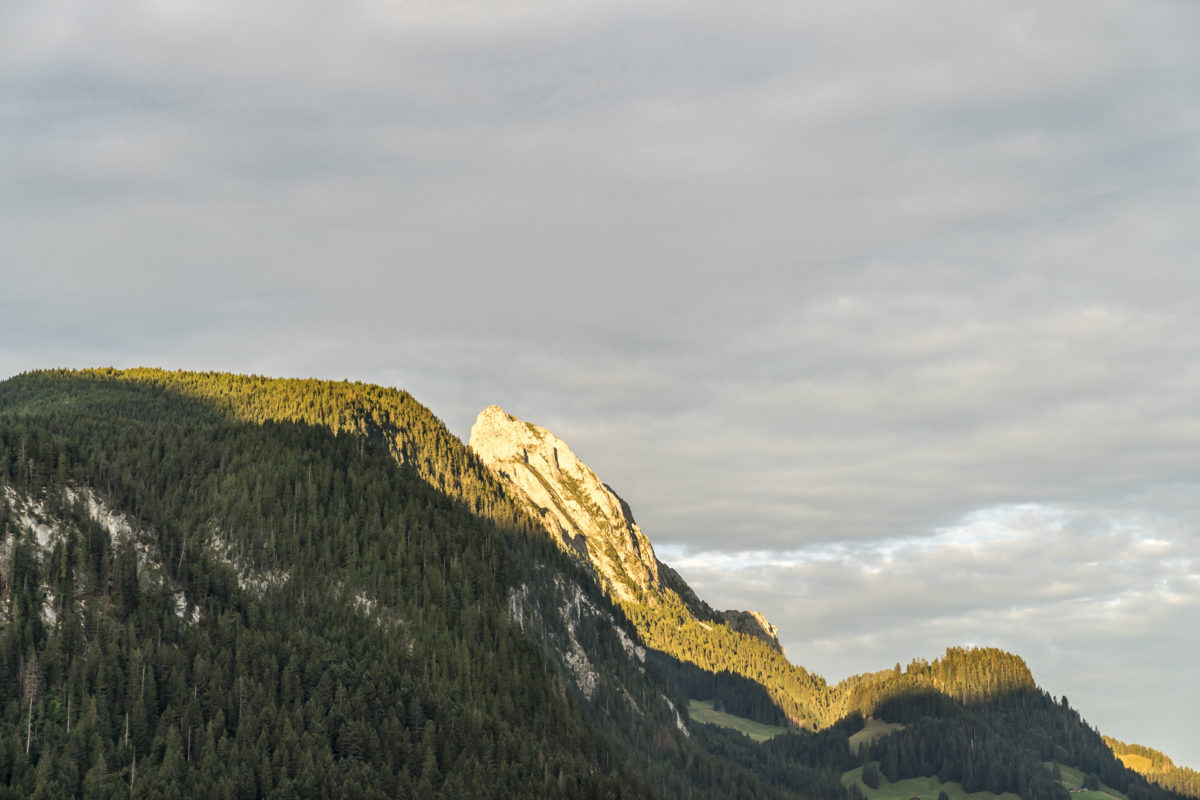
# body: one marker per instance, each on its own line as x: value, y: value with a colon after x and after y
x: 571, y: 501
x: 587, y: 516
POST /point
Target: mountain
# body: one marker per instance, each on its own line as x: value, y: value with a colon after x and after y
x: 570, y: 501
x: 588, y: 519
x: 234, y: 586
x: 199, y: 605
x: 218, y: 585
x: 586, y: 516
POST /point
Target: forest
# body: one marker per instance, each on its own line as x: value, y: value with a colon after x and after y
x: 239, y: 587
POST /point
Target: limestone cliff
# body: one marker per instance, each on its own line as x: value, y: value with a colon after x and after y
x: 571, y: 500
x: 588, y: 517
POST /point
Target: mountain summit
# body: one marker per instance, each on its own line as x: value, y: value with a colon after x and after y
x: 570, y: 500
x: 586, y: 516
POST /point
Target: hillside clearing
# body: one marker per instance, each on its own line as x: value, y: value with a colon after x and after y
x: 918, y: 788
x: 872, y: 730
x: 1137, y: 763
x: 703, y: 711
x: 1072, y: 778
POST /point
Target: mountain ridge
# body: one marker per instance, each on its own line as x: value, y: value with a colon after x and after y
x: 587, y: 517
x: 532, y: 460
x: 323, y: 532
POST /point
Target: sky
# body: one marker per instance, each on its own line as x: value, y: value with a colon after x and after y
x: 882, y: 315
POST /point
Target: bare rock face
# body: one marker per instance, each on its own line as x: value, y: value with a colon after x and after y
x: 571, y: 500
x: 587, y: 516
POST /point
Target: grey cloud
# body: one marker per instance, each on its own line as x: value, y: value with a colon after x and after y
x: 792, y: 279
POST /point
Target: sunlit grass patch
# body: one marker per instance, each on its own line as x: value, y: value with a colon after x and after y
x: 703, y: 711
x: 1072, y: 778
x: 919, y: 788
x: 872, y: 730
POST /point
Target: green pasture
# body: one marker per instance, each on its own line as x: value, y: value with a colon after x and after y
x: 919, y: 788
x: 702, y: 711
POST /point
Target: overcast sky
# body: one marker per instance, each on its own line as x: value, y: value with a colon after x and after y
x: 881, y: 315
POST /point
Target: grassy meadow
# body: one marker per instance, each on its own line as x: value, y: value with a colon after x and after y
x: 872, y: 730
x: 703, y: 711
x: 919, y: 788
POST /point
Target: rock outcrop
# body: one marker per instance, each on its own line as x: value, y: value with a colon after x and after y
x: 587, y: 516
x: 753, y: 623
x: 572, y: 502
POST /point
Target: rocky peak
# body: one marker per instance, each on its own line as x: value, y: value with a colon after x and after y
x: 572, y: 502
x: 587, y: 516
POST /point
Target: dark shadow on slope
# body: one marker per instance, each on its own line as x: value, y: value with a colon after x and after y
x: 730, y: 692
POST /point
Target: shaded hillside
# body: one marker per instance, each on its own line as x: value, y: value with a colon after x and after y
x: 200, y: 602
x: 205, y: 608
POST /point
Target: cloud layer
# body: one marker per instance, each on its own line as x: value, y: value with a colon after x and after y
x: 813, y: 286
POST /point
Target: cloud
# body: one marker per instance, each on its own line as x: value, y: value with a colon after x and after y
x: 820, y: 279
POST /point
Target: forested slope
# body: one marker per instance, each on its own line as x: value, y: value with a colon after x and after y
x: 228, y: 586
x: 236, y: 587
x: 368, y: 413
x: 342, y: 628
